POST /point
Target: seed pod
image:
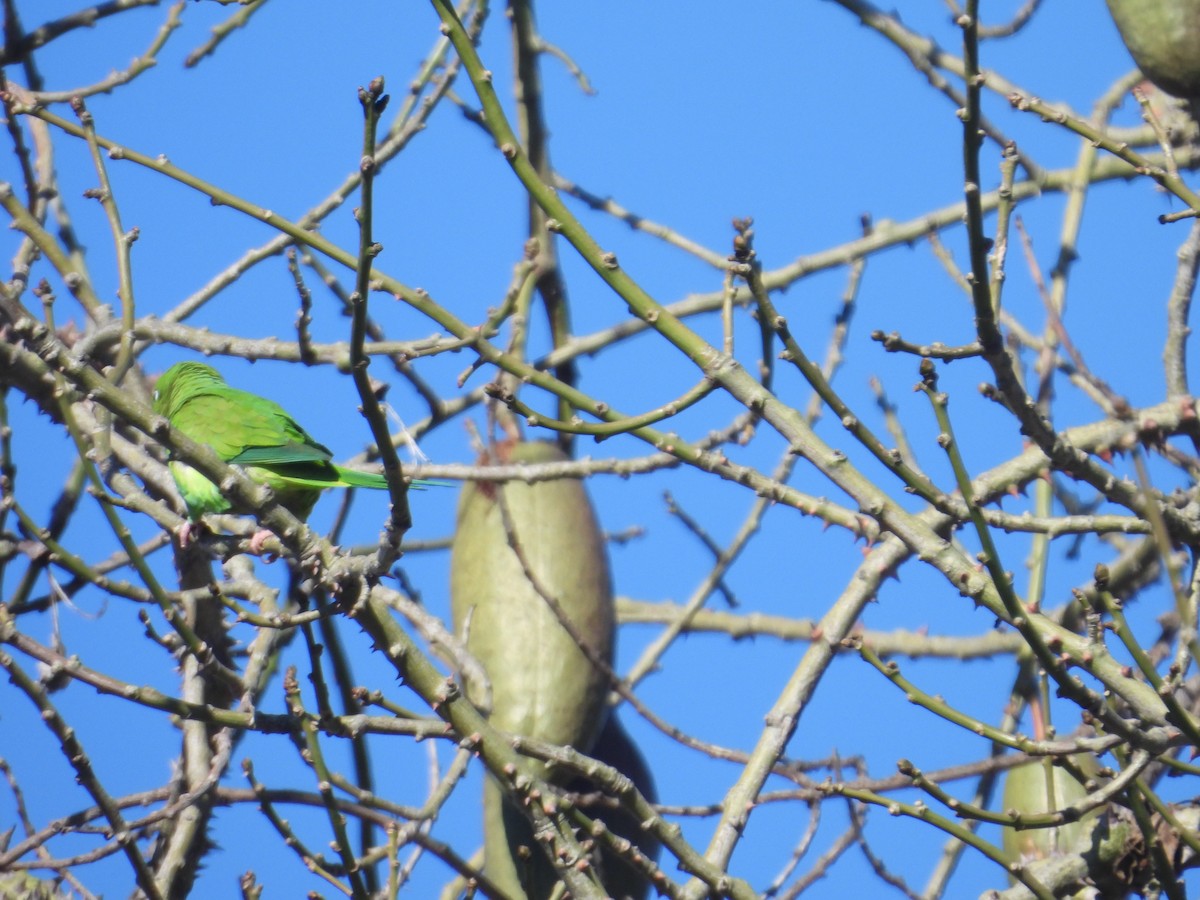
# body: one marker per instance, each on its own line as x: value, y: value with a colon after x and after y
x: 1026, y: 791
x: 525, y: 558
x: 1163, y: 36
x: 520, y: 550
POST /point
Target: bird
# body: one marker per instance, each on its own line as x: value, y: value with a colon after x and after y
x: 250, y: 431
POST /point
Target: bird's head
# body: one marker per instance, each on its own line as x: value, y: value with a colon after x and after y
x: 181, y: 381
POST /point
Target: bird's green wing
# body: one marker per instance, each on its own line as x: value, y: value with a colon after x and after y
x: 235, y: 422
x: 265, y: 437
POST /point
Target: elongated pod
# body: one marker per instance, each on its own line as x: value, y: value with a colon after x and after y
x: 1163, y: 36
x: 1027, y: 790
x: 519, y: 551
x: 526, y: 559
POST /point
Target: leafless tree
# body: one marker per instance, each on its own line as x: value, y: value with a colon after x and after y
x: 268, y: 691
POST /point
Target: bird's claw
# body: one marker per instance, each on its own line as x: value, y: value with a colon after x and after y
x: 257, y: 542
x: 186, y: 533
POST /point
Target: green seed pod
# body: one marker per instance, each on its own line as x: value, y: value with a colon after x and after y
x: 1163, y: 36
x: 519, y: 551
x: 543, y: 685
x: 1026, y: 791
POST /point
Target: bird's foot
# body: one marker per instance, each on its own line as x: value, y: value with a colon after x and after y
x: 188, y: 533
x: 258, y: 541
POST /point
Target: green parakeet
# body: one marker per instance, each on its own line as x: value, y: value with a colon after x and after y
x: 250, y: 431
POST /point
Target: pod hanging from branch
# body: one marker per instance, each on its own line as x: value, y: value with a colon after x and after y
x: 529, y: 585
x: 529, y: 582
x: 1027, y: 790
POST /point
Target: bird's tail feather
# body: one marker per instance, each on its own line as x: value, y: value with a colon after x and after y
x: 355, y: 478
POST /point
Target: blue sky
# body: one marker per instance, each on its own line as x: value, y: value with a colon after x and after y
x: 790, y: 113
